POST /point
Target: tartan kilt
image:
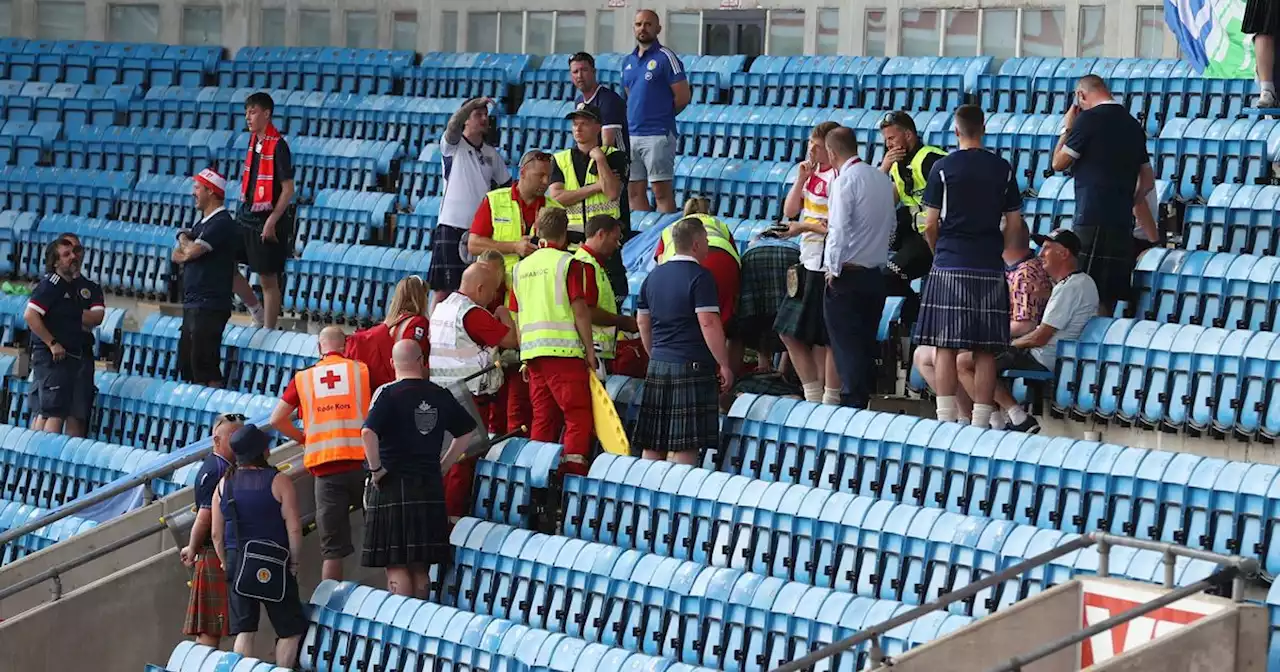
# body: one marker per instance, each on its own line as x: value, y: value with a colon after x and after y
x: 764, y: 280
x: 447, y: 264
x: 801, y: 317
x: 406, y: 522
x: 207, y: 608
x: 680, y: 409
x: 1107, y: 255
x: 964, y: 309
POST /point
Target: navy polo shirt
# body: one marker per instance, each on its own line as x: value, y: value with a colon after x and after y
x: 1109, y: 147
x: 211, y: 471
x: 973, y: 188
x: 651, y: 106
x: 673, y: 295
x: 61, y: 303
x: 207, y: 279
x: 613, y: 111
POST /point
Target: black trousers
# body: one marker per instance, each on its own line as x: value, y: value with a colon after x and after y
x: 200, y: 345
x: 852, y: 306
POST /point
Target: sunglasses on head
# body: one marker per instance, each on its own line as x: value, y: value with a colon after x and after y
x: 229, y: 417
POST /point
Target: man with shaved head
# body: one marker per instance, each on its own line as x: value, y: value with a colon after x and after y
x: 657, y: 90
x: 332, y: 398
x: 406, y: 526
x: 465, y: 338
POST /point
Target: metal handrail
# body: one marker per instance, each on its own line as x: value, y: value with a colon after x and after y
x: 1240, y: 567
x: 120, y: 486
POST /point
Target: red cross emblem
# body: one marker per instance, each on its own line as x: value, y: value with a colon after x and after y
x: 331, y: 379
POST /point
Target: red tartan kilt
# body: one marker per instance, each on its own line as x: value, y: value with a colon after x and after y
x: 207, y: 608
x: 631, y: 359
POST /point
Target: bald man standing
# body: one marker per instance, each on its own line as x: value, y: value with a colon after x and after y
x: 332, y: 399
x: 406, y: 526
x: 657, y: 90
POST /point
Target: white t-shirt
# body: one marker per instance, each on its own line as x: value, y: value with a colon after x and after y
x: 1072, y: 304
x: 816, y: 190
x: 469, y: 173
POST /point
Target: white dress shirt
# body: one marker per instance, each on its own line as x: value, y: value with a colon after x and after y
x: 860, y: 218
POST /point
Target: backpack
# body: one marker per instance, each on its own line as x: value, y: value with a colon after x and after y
x: 372, y: 346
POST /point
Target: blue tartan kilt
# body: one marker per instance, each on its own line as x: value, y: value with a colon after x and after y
x: 680, y: 409
x: 962, y: 309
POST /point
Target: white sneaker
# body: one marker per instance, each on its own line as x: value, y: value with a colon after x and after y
x: 1265, y: 100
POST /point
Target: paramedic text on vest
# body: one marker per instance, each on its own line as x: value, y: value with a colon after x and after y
x: 555, y: 338
x: 599, y: 189
x: 718, y: 237
x: 504, y: 221
x: 464, y: 341
x: 604, y: 239
x: 332, y: 398
x: 902, y: 145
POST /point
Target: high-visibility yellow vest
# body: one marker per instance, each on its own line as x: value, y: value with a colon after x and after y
x: 912, y: 197
x: 718, y: 236
x: 541, y: 284
x: 508, y: 222
x: 596, y: 204
x: 605, y: 338
x: 333, y: 400
x: 454, y: 354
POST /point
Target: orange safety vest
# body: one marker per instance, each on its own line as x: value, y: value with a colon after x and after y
x: 334, y: 401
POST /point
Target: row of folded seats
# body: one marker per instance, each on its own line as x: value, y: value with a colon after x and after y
x: 150, y: 413
x: 1211, y: 289
x: 70, y: 104
x: 106, y: 63
x: 88, y: 193
x: 48, y: 470
x: 123, y: 257
x: 255, y: 360
x: 1236, y: 218
x: 1173, y: 377
x: 414, y: 121
x: 348, y: 283
x: 371, y: 73
x: 466, y: 75
x: 16, y: 514
x: 192, y: 657
x: 1057, y: 484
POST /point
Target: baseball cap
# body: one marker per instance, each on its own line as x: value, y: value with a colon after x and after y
x: 1063, y: 237
x: 900, y: 119
x: 248, y: 443
x: 586, y: 111
x: 212, y: 180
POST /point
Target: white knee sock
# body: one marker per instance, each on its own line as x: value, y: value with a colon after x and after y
x: 831, y: 396
x: 982, y: 415
x: 946, y: 409
x: 1267, y: 87
x: 1017, y: 414
x: 999, y: 419
x: 812, y: 391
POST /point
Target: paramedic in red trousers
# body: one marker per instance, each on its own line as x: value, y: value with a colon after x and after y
x: 504, y: 223
x: 332, y: 399
x: 604, y: 240
x: 266, y: 189
x: 465, y: 338
x: 207, y: 254
x: 553, y: 296
x: 500, y: 410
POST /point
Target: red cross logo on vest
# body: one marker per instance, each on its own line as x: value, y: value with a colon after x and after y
x: 330, y: 380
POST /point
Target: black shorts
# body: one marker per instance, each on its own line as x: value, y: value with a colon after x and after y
x: 1016, y: 359
x: 61, y: 389
x: 263, y: 257
x: 287, y: 617
x: 200, y: 345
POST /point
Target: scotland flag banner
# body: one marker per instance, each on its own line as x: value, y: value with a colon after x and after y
x: 1209, y: 34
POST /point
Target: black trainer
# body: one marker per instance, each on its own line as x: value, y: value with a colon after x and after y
x: 1028, y: 426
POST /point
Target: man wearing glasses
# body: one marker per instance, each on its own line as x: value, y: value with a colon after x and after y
x: 207, y: 608
x: 61, y: 315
